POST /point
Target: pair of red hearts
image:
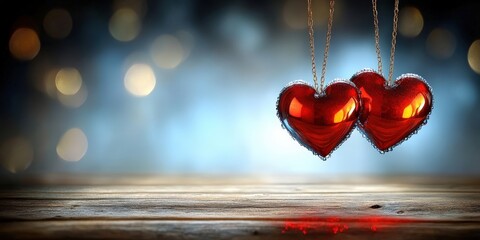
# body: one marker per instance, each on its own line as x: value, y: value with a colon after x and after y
x: 387, y: 115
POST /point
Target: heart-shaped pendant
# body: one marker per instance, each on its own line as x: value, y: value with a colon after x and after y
x: 391, y: 114
x: 319, y: 122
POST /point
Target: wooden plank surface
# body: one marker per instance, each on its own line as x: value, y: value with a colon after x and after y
x: 240, y: 208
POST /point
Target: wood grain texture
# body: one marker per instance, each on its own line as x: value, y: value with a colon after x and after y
x: 236, y: 208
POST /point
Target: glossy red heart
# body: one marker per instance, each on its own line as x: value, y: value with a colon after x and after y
x: 391, y: 114
x: 320, y: 122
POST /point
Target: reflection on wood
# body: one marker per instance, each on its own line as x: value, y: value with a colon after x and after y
x: 207, y: 208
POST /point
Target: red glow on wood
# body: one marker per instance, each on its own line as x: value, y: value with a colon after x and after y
x: 337, y: 225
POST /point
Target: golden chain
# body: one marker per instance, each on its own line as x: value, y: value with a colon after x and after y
x: 394, y: 38
x: 377, y: 36
x: 312, y: 44
x: 394, y: 41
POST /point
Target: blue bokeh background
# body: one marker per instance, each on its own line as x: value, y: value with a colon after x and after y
x: 215, y: 111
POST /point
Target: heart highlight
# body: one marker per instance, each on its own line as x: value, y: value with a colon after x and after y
x: 319, y: 122
x: 391, y: 114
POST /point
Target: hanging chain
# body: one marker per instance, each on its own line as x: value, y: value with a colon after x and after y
x: 312, y: 42
x: 319, y: 88
x: 377, y: 39
x: 327, y: 43
x: 394, y: 42
x: 377, y: 36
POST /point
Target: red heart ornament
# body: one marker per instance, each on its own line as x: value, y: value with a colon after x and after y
x: 391, y: 114
x: 319, y: 122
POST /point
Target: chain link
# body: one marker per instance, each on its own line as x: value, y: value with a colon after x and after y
x: 394, y: 39
x: 377, y: 36
x: 319, y: 88
x: 312, y: 42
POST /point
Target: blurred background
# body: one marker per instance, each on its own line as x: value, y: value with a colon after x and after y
x: 190, y: 87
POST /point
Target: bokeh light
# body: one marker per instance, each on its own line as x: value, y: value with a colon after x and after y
x: 410, y: 22
x: 24, y: 44
x: 474, y: 56
x: 139, y: 6
x: 68, y: 81
x: 187, y: 42
x: 295, y: 13
x: 242, y: 31
x: 58, y: 23
x: 72, y: 145
x: 41, y: 74
x: 76, y: 100
x: 125, y: 25
x: 441, y: 43
x: 140, y: 80
x: 16, y: 154
x: 48, y: 83
x: 167, y: 51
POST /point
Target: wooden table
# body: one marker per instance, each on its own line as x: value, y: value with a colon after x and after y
x: 138, y: 207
